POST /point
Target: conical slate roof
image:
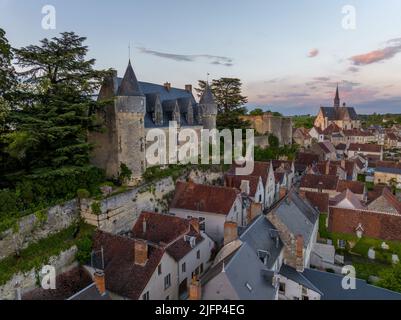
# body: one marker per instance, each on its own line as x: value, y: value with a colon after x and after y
x: 207, y: 96
x: 129, y: 85
x: 337, y: 98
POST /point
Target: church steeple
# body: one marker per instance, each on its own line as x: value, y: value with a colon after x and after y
x: 129, y: 85
x: 337, y: 98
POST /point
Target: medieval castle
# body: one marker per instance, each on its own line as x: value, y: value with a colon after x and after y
x: 136, y: 108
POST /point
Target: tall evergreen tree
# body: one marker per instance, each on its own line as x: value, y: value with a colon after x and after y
x: 56, y: 104
x: 230, y: 102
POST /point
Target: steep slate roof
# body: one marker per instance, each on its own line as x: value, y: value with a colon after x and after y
x: 262, y: 235
x: 207, y: 96
x: 341, y: 146
x: 90, y: 293
x: 365, y: 147
x: 339, y: 113
x: 129, y: 85
x: 292, y: 274
x: 297, y: 215
x: 198, y: 197
x: 123, y: 276
x: 233, y: 181
x: 243, y: 267
x: 68, y: 284
x: 356, y: 187
x: 318, y: 200
x: 330, y: 285
x: 326, y: 182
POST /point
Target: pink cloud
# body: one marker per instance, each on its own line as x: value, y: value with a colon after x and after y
x: 313, y: 53
x: 393, y: 47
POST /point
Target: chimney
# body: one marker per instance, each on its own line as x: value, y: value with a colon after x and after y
x: 144, y: 225
x: 99, y: 279
x: 328, y: 167
x: 320, y: 186
x: 230, y: 232
x: 167, y: 86
x: 140, y: 252
x: 299, y: 253
x: 245, y: 188
x: 188, y: 88
x: 195, y: 290
x: 194, y: 223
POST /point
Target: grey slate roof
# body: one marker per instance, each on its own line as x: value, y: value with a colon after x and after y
x: 298, y: 215
x: 262, y: 235
x: 339, y: 113
x: 90, y: 293
x: 388, y: 170
x: 207, y: 96
x: 292, y: 274
x: 330, y: 285
x: 247, y: 275
x: 129, y: 85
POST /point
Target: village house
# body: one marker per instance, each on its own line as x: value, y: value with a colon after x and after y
x: 302, y: 137
x: 247, y: 267
x: 211, y: 205
x: 155, y: 261
x: 325, y: 150
x: 287, y: 167
x: 317, y: 134
x: 392, y: 140
x: 370, y: 150
x: 264, y: 170
x: 389, y: 173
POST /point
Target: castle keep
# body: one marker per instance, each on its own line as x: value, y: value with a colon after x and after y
x: 135, y: 108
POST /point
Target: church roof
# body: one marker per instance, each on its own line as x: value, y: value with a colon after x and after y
x: 339, y: 113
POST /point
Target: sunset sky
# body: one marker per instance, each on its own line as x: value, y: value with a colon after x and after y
x: 289, y: 54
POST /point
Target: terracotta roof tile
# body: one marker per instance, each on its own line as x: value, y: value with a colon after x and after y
x: 198, y: 197
x: 232, y: 181
x: 326, y: 182
x: 356, y: 187
x: 365, y: 147
x: 123, y: 276
x: 318, y: 200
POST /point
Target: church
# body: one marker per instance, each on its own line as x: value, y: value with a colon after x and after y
x: 344, y: 117
x: 135, y: 108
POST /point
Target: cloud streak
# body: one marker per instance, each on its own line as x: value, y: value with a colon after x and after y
x: 392, y: 48
x: 215, y: 60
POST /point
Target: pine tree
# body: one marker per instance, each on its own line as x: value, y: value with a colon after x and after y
x: 56, y: 105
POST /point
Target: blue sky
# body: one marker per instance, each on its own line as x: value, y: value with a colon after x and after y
x: 289, y: 54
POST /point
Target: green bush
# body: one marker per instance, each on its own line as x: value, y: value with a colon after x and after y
x: 96, y: 208
x: 83, y: 194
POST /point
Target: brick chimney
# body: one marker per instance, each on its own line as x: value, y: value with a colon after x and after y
x: 195, y: 290
x: 100, y: 282
x: 140, y: 252
x: 230, y: 232
x: 194, y: 222
x: 328, y: 167
x: 188, y: 88
x: 299, y: 251
x: 167, y: 86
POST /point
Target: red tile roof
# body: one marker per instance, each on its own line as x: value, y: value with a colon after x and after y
x: 326, y: 182
x: 347, y: 195
x: 123, y: 276
x: 160, y: 228
x: 365, y: 147
x: 306, y: 159
x: 318, y: 200
x: 390, y: 199
x: 198, y: 197
x: 232, y: 181
x: 356, y: 187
